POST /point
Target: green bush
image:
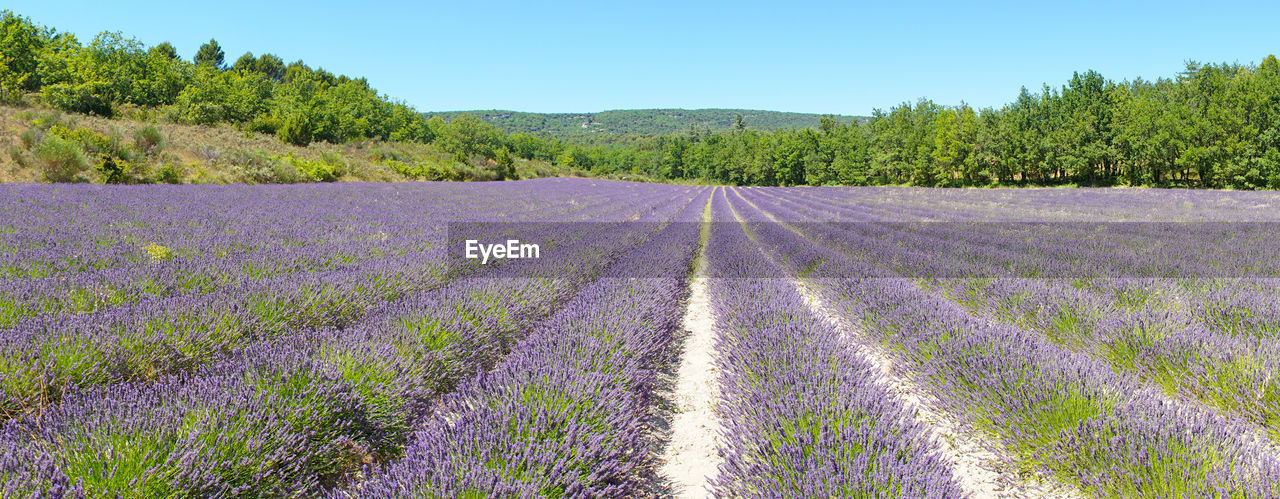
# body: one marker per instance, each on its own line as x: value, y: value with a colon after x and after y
x: 111, y: 169
x: 323, y: 170
x: 389, y: 154
x: 336, y: 160
x: 86, y: 98
x: 15, y: 154
x: 264, y: 124
x: 170, y: 173
x: 296, y: 130
x: 93, y: 142
x: 46, y: 120
x: 256, y: 167
x: 201, y: 113
x: 506, y: 165
x: 423, y: 171
x: 148, y: 140
x: 61, y: 160
x: 10, y: 97
x: 29, y: 139
x: 113, y: 162
x: 438, y: 172
x: 401, y: 168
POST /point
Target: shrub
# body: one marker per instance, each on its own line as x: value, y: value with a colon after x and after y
x: 170, y: 173
x: 506, y: 165
x: 12, y: 97
x: 30, y: 138
x: 264, y: 124
x: 148, y: 140
x: 388, y: 154
x: 111, y: 170
x: 474, y: 173
x: 209, y: 153
x: 19, y: 160
x: 401, y: 168
x: 259, y: 168
x: 45, y: 120
x: 423, y: 171
x: 323, y: 170
x: 201, y: 113
x: 438, y: 172
x: 61, y: 160
x: 92, y: 141
x: 335, y: 160
x: 296, y: 130
x: 86, y: 98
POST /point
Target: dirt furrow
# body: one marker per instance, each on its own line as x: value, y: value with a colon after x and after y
x: 690, y: 457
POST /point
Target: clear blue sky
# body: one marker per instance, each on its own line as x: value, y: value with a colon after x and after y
x: 789, y: 56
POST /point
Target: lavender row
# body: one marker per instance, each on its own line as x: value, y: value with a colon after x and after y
x: 1216, y: 352
x: 993, y: 248
x: 804, y: 414
x: 1056, y: 410
x: 160, y: 244
x: 1046, y: 204
x: 1234, y: 307
x: 269, y: 421
x: 51, y: 354
x: 1234, y: 373
x: 568, y: 412
x: 1174, y: 350
x: 383, y: 378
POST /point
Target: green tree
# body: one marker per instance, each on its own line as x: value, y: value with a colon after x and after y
x: 955, y: 134
x: 165, y: 50
x: 469, y: 136
x: 210, y: 54
x: 245, y: 62
x: 20, y: 44
x: 506, y: 165
x: 223, y: 96
x: 297, y: 130
x: 270, y: 66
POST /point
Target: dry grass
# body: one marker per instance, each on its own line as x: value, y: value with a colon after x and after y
x: 222, y: 154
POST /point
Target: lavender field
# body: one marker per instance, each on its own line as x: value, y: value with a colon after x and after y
x: 329, y: 340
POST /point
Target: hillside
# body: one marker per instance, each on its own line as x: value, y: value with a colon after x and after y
x: 44, y: 144
x: 642, y: 121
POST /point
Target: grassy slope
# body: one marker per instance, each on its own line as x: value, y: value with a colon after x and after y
x: 640, y: 121
x: 223, y: 154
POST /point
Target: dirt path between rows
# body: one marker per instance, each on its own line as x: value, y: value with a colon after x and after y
x: 690, y: 457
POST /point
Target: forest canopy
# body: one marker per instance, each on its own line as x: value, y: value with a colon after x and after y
x: 1210, y: 126
x: 295, y: 102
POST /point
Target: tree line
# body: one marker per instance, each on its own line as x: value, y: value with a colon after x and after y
x: 1212, y: 125
x: 606, y: 126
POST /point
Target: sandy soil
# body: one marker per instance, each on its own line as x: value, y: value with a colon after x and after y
x: 691, y: 457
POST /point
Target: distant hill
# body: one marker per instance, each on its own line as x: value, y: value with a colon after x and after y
x: 640, y: 121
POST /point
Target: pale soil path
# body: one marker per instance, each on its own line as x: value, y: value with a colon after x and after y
x: 690, y: 457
